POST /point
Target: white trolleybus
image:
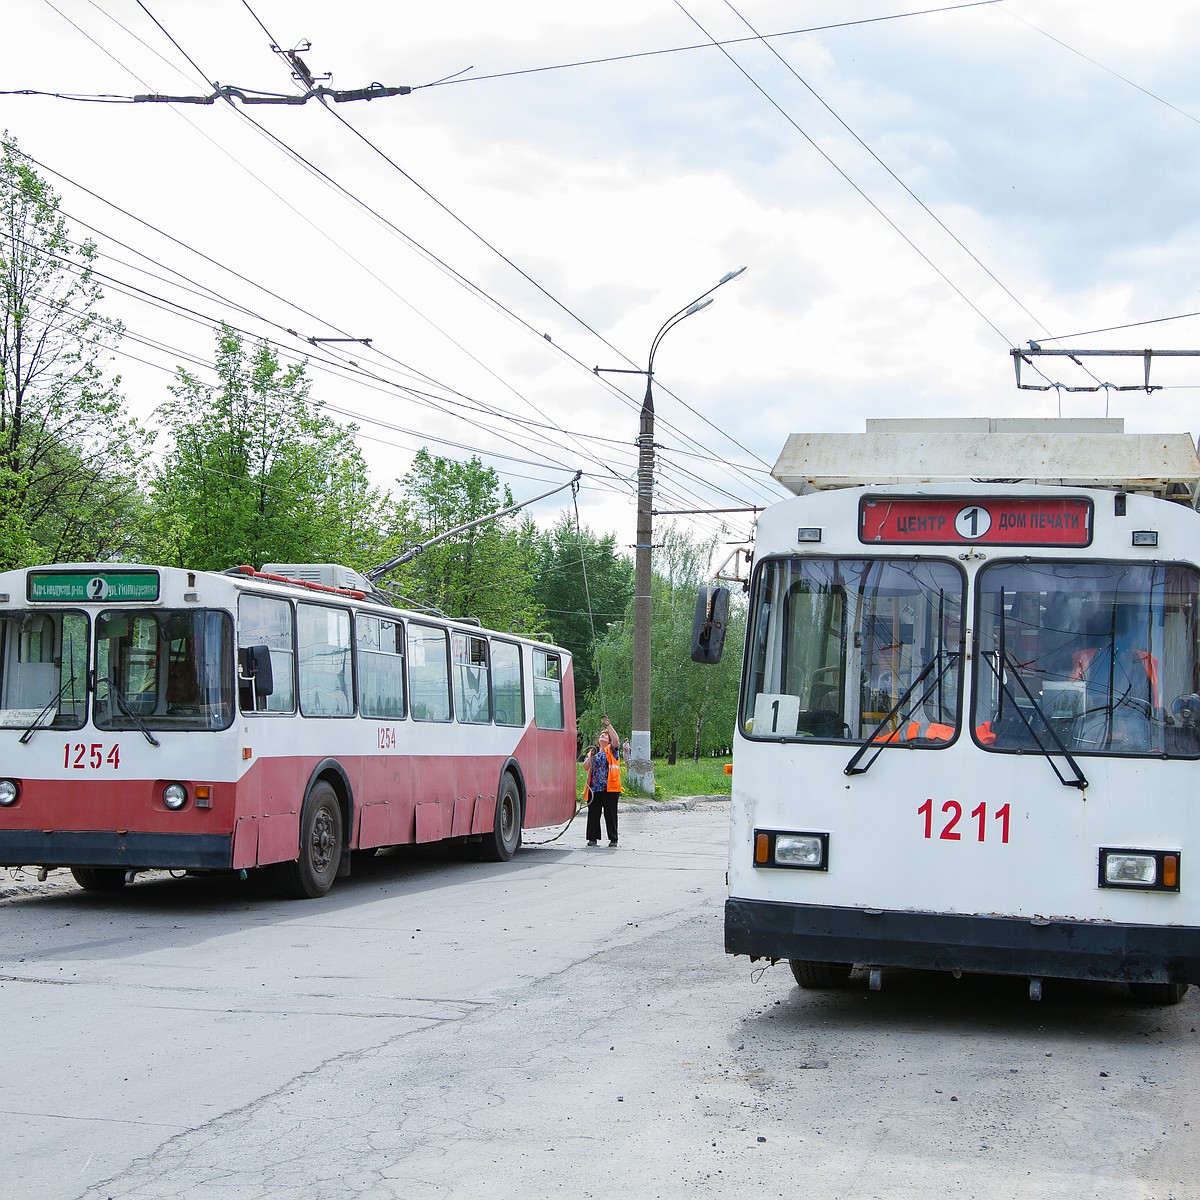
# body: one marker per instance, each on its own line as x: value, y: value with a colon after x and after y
x: 152, y: 717
x: 969, y: 729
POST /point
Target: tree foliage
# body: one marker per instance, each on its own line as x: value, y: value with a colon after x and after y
x: 69, y: 453
x: 584, y: 587
x: 485, y: 572
x: 256, y: 472
x: 693, y: 706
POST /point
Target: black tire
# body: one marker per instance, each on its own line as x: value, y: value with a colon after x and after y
x: 505, y: 837
x: 820, y: 974
x: 99, y: 879
x: 1157, y: 993
x: 313, y: 872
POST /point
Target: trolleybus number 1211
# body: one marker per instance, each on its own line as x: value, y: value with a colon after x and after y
x: 954, y: 812
x: 83, y: 757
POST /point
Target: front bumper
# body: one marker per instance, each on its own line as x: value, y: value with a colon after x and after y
x: 1052, y: 949
x: 107, y: 848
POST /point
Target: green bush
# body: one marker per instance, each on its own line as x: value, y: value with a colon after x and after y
x: 704, y: 778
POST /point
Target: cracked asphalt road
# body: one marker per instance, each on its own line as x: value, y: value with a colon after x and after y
x: 563, y: 1025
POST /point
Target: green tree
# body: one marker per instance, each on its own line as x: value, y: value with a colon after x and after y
x: 257, y: 473
x: 69, y: 452
x: 693, y: 706
x: 485, y: 572
x: 584, y: 587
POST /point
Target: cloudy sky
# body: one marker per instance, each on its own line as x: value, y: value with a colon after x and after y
x: 913, y: 190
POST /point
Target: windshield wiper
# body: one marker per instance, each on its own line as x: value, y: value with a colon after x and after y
x: 1080, y: 780
x: 62, y: 691
x: 123, y: 705
x: 852, y: 767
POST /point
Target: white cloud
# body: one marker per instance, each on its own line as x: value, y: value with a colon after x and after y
x: 625, y: 189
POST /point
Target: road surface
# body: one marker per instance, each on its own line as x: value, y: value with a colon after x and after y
x: 562, y: 1025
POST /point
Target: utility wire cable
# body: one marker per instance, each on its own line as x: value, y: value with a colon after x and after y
x: 1115, y: 74
x: 484, y: 241
x: 896, y: 178
x: 813, y: 143
x: 199, y: 71
x: 615, y: 58
x: 197, y: 68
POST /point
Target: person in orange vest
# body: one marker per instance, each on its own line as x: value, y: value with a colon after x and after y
x: 602, y: 768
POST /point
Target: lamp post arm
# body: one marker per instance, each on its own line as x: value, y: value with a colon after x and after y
x: 701, y: 302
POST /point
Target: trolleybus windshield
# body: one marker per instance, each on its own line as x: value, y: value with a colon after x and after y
x: 838, y: 644
x: 1100, y: 657
x: 164, y: 669
x: 43, y: 670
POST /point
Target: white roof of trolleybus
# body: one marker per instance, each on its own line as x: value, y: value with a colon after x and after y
x: 1072, y: 452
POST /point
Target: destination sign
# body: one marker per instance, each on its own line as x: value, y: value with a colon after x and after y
x: 73, y: 587
x: 990, y: 521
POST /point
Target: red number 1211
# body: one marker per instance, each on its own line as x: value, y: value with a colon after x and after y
x: 954, y: 814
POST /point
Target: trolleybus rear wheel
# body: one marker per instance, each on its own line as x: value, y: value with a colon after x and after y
x: 820, y: 974
x: 501, y: 843
x: 313, y: 872
x: 99, y: 879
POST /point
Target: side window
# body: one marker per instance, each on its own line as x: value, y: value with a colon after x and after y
x: 547, y: 690
x: 326, y: 686
x: 507, y: 693
x: 471, y: 690
x: 380, y: 667
x: 266, y: 655
x: 428, y: 672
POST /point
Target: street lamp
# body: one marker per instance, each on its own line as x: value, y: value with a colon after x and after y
x: 640, y: 769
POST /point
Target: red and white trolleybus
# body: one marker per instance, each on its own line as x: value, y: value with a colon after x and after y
x: 969, y: 727
x: 158, y: 718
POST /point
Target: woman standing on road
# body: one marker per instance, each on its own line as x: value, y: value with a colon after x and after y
x: 603, y: 769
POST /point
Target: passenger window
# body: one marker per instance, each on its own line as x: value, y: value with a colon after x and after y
x: 471, y: 679
x: 326, y: 686
x: 547, y: 690
x: 380, y: 667
x: 265, y: 634
x: 428, y: 673
x: 507, y: 693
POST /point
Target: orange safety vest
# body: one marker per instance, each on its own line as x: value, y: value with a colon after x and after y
x: 935, y: 731
x: 614, y: 770
x: 1081, y: 660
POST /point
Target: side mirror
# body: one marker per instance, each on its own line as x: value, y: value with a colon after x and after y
x: 254, y: 667
x: 264, y: 680
x: 709, y: 625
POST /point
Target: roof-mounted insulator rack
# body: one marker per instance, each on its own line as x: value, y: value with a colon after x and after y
x: 1064, y: 452
x: 278, y: 573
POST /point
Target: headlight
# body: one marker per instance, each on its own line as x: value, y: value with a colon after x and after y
x: 1140, y: 870
x: 1131, y: 868
x: 798, y: 850
x: 9, y: 792
x: 174, y: 796
x: 785, y: 848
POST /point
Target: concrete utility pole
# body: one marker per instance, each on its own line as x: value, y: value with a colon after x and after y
x: 640, y: 769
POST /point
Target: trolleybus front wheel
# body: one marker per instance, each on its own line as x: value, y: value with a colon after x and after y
x: 312, y: 874
x: 99, y: 879
x: 820, y: 974
x: 1158, y: 993
x: 501, y: 843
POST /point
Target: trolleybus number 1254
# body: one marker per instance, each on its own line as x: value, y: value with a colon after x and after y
x: 82, y: 756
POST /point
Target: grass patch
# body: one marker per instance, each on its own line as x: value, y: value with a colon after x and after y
x: 704, y: 778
